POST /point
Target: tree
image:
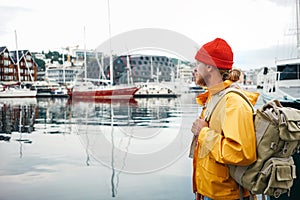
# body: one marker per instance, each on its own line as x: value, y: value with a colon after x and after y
x: 40, y: 64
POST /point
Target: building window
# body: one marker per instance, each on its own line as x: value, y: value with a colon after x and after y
x: 29, y: 64
x: 28, y: 57
x: 6, y: 63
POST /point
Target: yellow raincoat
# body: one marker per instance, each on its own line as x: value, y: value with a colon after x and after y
x: 229, y: 139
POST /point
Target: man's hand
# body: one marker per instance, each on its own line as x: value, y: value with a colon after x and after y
x: 198, y: 125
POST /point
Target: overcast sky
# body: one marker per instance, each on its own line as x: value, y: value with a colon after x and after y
x: 257, y: 30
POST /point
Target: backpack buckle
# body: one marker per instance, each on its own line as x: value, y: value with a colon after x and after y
x: 298, y: 124
x: 277, y: 193
x: 285, y: 148
x: 273, y: 145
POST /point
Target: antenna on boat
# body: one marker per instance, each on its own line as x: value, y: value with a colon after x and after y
x: 17, y: 54
x: 85, y: 67
x: 110, y: 49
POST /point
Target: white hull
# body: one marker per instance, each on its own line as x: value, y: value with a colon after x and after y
x: 155, y: 90
x: 284, y: 84
x: 18, y: 93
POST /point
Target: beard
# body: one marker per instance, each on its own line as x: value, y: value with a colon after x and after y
x: 199, y: 80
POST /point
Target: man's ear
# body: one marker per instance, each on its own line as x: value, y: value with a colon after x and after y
x: 209, y: 68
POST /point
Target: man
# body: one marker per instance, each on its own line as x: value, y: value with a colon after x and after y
x: 229, y: 136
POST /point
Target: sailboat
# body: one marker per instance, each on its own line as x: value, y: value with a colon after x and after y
x: 87, y: 90
x: 284, y: 83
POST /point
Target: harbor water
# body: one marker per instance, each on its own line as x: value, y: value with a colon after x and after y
x: 59, y: 149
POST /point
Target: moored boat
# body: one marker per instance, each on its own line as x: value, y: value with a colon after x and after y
x: 88, y: 90
x: 15, y: 90
x: 155, y: 90
x: 284, y: 83
x: 195, y: 88
x: 50, y: 89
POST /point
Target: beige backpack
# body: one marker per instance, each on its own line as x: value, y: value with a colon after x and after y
x: 277, y: 138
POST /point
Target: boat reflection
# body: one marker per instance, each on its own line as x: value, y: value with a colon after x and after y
x: 54, y: 116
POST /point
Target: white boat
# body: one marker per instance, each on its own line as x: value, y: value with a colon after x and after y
x: 154, y: 90
x: 59, y: 91
x: 50, y: 89
x: 195, y: 88
x: 284, y: 83
x: 16, y: 91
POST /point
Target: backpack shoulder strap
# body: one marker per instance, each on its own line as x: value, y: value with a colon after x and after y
x: 215, y: 99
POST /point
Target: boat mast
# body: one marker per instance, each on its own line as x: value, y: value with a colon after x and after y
x: 129, y: 74
x: 17, y: 54
x: 110, y: 50
x: 297, y: 27
x: 178, y: 68
x: 151, y: 67
x: 63, y: 63
x: 29, y: 71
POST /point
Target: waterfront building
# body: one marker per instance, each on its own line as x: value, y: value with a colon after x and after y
x: 8, y: 72
x: 143, y: 68
x: 17, y: 66
x: 185, y: 72
x: 62, y: 75
x: 27, y: 65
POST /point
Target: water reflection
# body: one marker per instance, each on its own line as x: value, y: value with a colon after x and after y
x: 131, y: 136
x: 17, y: 115
x: 54, y: 115
x: 136, y: 136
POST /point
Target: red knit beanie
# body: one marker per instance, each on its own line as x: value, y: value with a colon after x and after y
x: 216, y: 53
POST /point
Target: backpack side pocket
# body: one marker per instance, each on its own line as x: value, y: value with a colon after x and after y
x: 276, y: 177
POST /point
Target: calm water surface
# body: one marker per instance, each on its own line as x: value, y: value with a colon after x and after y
x: 58, y: 149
